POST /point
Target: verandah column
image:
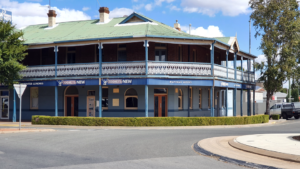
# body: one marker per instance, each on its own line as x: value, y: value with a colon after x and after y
x: 146, y: 45
x: 235, y: 65
x: 15, y: 107
x: 227, y: 53
x: 234, y: 102
x: 242, y: 68
x: 100, y: 74
x: 254, y: 89
x: 226, y: 99
x: 241, y: 101
x: 211, y: 102
x: 56, y: 95
x: 212, y: 60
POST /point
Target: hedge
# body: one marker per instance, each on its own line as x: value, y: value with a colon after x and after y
x: 275, y: 116
x: 148, y: 121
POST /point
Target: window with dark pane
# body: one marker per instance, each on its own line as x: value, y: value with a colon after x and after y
x: 104, y: 97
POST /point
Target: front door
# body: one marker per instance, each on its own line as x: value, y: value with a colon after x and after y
x: 71, y: 106
x: 4, y: 105
x: 160, y: 106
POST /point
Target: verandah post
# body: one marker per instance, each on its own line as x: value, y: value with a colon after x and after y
x: 227, y: 53
x: 235, y: 66
x: 56, y: 94
x: 146, y: 45
x: 226, y: 99
x: 100, y: 74
x: 15, y: 107
x: 234, y: 102
x: 241, y: 101
x: 242, y: 68
x: 211, y: 102
x: 249, y: 102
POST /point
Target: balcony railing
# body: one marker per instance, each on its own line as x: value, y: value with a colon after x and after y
x: 135, y: 68
x: 177, y: 68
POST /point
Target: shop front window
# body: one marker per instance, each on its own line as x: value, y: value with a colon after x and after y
x: 131, y: 99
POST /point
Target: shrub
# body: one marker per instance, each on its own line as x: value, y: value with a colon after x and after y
x: 275, y: 116
x: 148, y: 121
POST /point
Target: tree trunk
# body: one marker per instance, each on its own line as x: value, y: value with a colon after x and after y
x: 268, y: 103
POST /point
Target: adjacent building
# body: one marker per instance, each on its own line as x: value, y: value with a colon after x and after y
x: 132, y: 66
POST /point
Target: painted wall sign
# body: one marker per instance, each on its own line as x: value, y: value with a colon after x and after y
x: 248, y: 86
x: 5, y: 15
x: 227, y: 84
x: 180, y: 82
x: 123, y: 82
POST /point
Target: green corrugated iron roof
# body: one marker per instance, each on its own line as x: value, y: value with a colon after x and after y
x: 89, y: 29
x: 223, y: 39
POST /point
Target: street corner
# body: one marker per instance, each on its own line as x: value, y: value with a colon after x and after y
x: 254, y: 151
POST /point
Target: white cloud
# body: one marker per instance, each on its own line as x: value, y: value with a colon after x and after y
x: 120, y: 12
x: 28, y: 13
x: 211, y: 31
x: 86, y: 8
x: 209, y: 7
x: 159, y: 2
x: 261, y: 58
x: 174, y: 8
x: 164, y: 12
x: 148, y: 7
x: 137, y: 7
x: 135, y: 0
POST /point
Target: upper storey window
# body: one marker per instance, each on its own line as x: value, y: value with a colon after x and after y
x: 122, y: 54
x: 160, y: 52
x: 71, y: 55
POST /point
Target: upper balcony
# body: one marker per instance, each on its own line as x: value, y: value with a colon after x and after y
x: 129, y: 60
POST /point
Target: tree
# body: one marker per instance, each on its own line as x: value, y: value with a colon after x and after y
x: 283, y: 90
x: 295, y: 95
x: 12, y: 52
x: 277, y: 23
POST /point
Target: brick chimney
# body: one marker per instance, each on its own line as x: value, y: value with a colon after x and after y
x: 104, y: 14
x: 177, y: 25
x: 51, y: 18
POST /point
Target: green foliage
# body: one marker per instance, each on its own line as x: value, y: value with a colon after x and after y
x: 295, y: 95
x: 148, y: 121
x: 283, y: 90
x: 277, y: 24
x: 275, y: 116
x: 11, y: 53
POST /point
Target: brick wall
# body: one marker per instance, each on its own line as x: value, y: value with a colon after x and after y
x: 85, y: 54
x: 135, y: 51
x: 110, y: 52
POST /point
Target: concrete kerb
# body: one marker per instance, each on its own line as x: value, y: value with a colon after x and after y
x: 271, y: 122
x: 13, y: 130
x: 273, y: 154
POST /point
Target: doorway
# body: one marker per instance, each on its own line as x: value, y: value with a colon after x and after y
x: 71, y: 101
x: 160, y: 105
x: 4, y: 105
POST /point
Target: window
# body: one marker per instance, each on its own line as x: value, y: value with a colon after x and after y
x: 71, y: 55
x: 180, y: 99
x: 131, y: 99
x: 161, y: 91
x: 278, y: 106
x: 160, y: 52
x: 34, y: 98
x: 3, y: 93
x: 209, y: 98
x: 104, y: 98
x: 91, y: 93
x: 122, y: 54
x: 191, y: 97
x: 200, y: 99
x: 160, y: 55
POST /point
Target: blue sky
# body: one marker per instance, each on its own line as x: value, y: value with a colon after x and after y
x: 228, y: 18
x: 208, y: 17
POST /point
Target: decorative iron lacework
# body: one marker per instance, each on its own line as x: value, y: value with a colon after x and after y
x: 179, y: 69
x: 238, y: 75
x: 230, y: 73
x: 123, y: 68
x: 62, y: 70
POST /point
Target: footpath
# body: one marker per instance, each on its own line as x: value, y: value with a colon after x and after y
x: 255, y: 151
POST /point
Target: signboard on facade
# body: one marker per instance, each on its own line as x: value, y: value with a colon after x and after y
x: 227, y: 84
x: 5, y: 15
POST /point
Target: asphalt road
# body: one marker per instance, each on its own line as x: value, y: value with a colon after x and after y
x: 120, y: 148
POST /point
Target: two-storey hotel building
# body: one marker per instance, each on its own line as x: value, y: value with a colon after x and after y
x: 132, y: 66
